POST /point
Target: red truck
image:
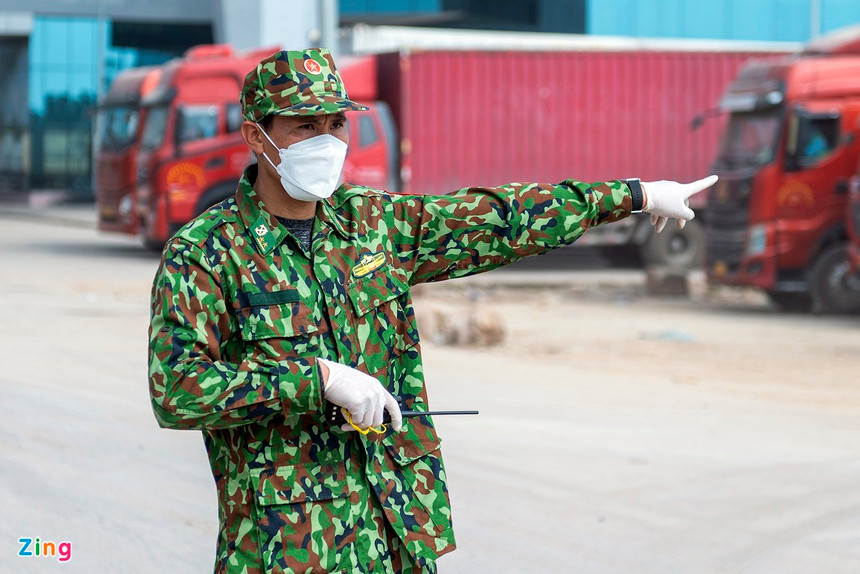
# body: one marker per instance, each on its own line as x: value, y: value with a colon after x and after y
x: 441, y: 120
x: 776, y: 218
x: 119, y: 125
x: 192, y: 152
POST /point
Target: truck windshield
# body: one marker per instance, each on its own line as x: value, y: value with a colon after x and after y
x: 750, y: 139
x: 154, y: 127
x: 117, y: 127
x: 198, y: 123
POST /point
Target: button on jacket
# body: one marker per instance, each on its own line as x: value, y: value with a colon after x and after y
x: 241, y: 310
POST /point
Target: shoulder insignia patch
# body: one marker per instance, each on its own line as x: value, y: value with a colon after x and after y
x: 368, y: 263
x: 263, y: 234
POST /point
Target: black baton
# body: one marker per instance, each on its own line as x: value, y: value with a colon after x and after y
x: 334, y: 414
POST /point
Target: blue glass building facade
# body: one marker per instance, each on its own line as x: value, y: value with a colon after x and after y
x: 72, y: 61
x: 760, y: 20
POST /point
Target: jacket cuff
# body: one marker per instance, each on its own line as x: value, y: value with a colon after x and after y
x: 308, y: 395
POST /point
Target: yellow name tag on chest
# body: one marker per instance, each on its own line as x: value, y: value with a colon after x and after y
x: 368, y: 263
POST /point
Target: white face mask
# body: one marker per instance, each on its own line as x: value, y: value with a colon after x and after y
x: 310, y: 169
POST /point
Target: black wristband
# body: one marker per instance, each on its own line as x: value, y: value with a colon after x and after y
x: 636, y: 192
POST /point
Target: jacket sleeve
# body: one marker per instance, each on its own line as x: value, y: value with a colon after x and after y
x: 477, y: 229
x: 191, y: 384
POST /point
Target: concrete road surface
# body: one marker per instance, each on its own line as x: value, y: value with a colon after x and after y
x: 618, y: 433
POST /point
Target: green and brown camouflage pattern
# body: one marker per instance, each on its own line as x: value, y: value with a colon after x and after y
x: 295, y: 83
x: 240, y: 311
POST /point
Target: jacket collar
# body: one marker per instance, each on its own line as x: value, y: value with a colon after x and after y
x: 329, y: 213
x: 264, y: 228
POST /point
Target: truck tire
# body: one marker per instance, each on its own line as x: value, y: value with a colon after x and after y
x: 791, y: 302
x: 831, y: 290
x: 216, y: 195
x: 678, y: 249
x: 153, y: 245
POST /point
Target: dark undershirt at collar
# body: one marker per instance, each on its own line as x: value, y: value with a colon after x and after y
x: 301, y: 228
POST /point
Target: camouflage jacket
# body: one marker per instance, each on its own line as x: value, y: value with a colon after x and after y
x: 240, y: 311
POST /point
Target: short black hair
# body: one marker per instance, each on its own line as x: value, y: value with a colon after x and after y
x: 266, y: 122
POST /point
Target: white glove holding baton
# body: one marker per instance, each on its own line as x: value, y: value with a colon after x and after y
x: 666, y: 200
x: 363, y: 396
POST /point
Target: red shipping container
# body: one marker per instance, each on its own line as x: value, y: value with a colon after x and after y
x: 493, y: 117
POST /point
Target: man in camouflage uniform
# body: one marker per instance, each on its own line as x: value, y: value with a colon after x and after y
x: 267, y: 305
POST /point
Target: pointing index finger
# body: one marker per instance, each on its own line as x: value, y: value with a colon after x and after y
x: 700, y: 185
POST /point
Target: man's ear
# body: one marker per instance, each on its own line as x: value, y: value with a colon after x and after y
x: 253, y: 137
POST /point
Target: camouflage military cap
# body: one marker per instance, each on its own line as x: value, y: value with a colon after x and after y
x: 295, y: 83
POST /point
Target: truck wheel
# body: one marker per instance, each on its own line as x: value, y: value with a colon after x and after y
x: 679, y: 249
x: 153, y: 245
x: 216, y: 195
x: 791, y: 302
x: 146, y: 237
x: 831, y: 290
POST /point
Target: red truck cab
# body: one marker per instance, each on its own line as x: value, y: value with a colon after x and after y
x: 776, y: 218
x: 192, y: 152
x: 119, y: 124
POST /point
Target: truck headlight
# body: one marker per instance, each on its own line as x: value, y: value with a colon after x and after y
x: 125, y: 207
x: 757, y: 240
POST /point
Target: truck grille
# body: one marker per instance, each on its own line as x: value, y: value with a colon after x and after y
x: 728, y: 219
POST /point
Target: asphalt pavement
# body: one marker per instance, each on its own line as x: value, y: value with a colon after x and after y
x: 618, y: 432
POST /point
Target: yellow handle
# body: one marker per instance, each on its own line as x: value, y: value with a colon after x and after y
x: 348, y: 417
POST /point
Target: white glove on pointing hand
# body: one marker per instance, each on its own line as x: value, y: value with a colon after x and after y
x: 666, y: 200
x: 363, y: 396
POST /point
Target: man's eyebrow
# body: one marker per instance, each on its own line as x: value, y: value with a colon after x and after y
x: 297, y: 120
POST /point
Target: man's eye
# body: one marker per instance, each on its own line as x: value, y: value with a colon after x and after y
x: 338, y: 125
x: 307, y: 127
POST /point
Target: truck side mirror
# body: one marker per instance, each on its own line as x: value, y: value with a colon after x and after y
x: 791, y: 160
x: 697, y: 122
x: 178, y: 128
x: 701, y: 117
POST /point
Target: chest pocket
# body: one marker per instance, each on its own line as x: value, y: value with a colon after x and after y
x: 384, y: 318
x: 278, y: 326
